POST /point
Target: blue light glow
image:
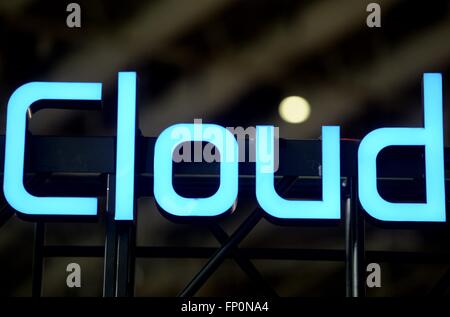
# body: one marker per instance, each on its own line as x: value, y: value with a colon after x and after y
x: 165, y: 194
x: 126, y: 133
x: 330, y: 205
x: 14, y: 190
x: 430, y: 136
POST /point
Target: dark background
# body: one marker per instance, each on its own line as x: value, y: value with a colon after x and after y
x: 229, y: 62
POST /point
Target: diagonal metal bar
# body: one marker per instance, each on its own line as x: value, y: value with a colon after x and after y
x: 442, y: 285
x: 244, y: 263
x: 219, y: 256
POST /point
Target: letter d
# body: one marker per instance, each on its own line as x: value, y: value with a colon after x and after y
x: 430, y: 136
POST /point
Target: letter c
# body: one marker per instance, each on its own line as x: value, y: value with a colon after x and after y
x: 14, y: 190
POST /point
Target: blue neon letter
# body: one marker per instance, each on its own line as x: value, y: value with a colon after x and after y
x: 126, y: 130
x: 330, y: 205
x: 13, y: 188
x: 430, y: 136
x: 165, y: 194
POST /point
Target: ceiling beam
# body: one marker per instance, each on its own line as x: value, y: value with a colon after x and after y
x: 209, y: 92
x: 152, y: 29
x: 346, y: 97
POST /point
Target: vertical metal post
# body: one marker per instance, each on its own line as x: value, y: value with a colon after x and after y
x: 38, y: 259
x: 125, y: 259
x: 119, y: 245
x: 109, y: 267
x: 354, y: 238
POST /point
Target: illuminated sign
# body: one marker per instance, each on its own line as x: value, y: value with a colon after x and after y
x: 126, y: 134
x: 328, y: 208
x: 430, y: 136
x: 14, y: 190
x: 166, y: 196
x: 224, y: 199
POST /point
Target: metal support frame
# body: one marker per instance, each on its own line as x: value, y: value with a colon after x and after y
x: 329, y: 255
x: 96, y: 155
x: 125, y: 260
x: 110, y: 253
x: 244, y: 263
x: 38, y: 258
x: 119, y: 256
x: 231, y: 244
x: 354, y: 243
